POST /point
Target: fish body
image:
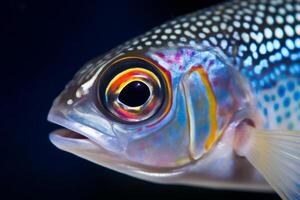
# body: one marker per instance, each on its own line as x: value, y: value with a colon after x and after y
x: 209, y: 99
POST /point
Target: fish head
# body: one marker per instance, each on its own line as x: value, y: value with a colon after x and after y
x: 152, y: 113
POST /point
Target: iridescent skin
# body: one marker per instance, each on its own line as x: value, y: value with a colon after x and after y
x: 226, y: 64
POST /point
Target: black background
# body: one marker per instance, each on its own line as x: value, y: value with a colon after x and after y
x: 43, y: 43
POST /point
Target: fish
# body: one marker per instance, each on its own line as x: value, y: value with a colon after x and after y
x: 209, y: 99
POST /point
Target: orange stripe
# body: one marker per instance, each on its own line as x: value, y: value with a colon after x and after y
x: 212, y: 107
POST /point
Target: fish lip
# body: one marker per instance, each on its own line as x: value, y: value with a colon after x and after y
x: 69, y: 134
x: 59, y: 116
x: 67, y: 140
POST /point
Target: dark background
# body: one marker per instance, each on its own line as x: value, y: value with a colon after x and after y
x: 43, y: 43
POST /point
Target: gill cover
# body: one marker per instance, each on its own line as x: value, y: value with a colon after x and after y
x: 212, y: 91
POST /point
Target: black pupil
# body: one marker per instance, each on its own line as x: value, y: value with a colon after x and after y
x: 134, y: 94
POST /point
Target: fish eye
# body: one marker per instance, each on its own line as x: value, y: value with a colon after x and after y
x: 133, y: 89
x: 135, y: 93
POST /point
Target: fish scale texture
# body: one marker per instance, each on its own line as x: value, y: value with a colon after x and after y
x: 261, y: 38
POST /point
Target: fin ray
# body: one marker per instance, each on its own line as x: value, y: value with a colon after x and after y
x: 290, y: 163
x: 276, y: 154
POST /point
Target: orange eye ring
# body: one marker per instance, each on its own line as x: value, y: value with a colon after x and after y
x: 119, y: 75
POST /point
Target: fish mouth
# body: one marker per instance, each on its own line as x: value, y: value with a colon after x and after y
x: 94, y: 145
x: 82, y: 146
x: 85, y: 142
x: 70, y: 141
x: 68, y: 134
x: 73, y: 138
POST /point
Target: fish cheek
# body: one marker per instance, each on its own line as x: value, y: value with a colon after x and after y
x: 167, y: 147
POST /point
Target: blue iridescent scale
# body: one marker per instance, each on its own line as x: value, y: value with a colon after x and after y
x: 270, y: 61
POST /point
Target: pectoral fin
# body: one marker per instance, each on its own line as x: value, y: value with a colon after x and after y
x: 276, y: 155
